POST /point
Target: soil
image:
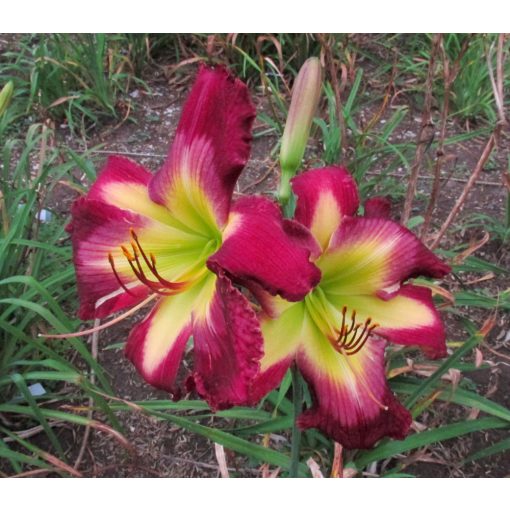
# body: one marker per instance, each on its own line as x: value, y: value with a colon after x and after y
x: 168, y: 451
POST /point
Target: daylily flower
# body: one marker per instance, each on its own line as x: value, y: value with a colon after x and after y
x: 177, y: 236
x: 338, y: 333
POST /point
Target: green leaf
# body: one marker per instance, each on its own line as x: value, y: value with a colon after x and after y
x: 18, y: 458
x: 20, y: 383
x: 388, y: 448
x: 272, y: 425
x: 459, y: 396
x: 237, y: 444
x: 429, y: 383
x: 499, y: 447
x: 415, y: 221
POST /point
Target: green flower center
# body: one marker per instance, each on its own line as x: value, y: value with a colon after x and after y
x: 144, y: 264
x: 343, y: 329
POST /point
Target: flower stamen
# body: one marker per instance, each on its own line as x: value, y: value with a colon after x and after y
x: 151, y: 264
x: 134, y: 258
x: 351, y: 338
x: 117, y: 277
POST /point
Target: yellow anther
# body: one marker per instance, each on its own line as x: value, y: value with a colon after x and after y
x: 143, y: 266
x: 127, y: 253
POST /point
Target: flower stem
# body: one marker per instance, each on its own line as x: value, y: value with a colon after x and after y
x: 289, y: 206
x: 297, y: 398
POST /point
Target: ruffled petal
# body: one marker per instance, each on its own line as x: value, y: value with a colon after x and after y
x: 377, y: 207
x: 211, y: 147
x: 324, y: 197
x: 352, y: 402
x: 367, y: 255
x: 258, y: 247
x: 99, y: 231
x: 282, y: 337
x: 227, y: 344
x: 302, y: 237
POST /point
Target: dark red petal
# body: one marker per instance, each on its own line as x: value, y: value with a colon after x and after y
x: 324, y: 197
x: 259, y: 247
x: 377, y: 207
x: 227, y: 347
x: 124, y: 184
x: 302, y: 236
x: 348, y: 405
x: 270, y: 379
x: 101, y: 223
x: 212, y: 144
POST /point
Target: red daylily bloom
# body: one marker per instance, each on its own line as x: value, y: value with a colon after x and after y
x: 179, y: 236
x: 338, y: 333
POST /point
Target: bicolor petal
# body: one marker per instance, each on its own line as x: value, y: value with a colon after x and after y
x: 156, y: 345
x: 352, y: 402
x: 101, y: 234
x: 259, y: 247
x: 227, y: 344
x: 324, y: 197
x: 407, y: 316
x: 97, y: 229
x: 367, y: 255
x: 124, y: 184
x: 282, y: 338
x: 211, y: 147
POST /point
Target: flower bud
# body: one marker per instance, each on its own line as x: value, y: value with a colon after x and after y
x: 305, y: 99
x: 6, y: 96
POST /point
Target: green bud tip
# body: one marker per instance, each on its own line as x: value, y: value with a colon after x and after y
x: 6, y: 96
x: 305, y: 99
